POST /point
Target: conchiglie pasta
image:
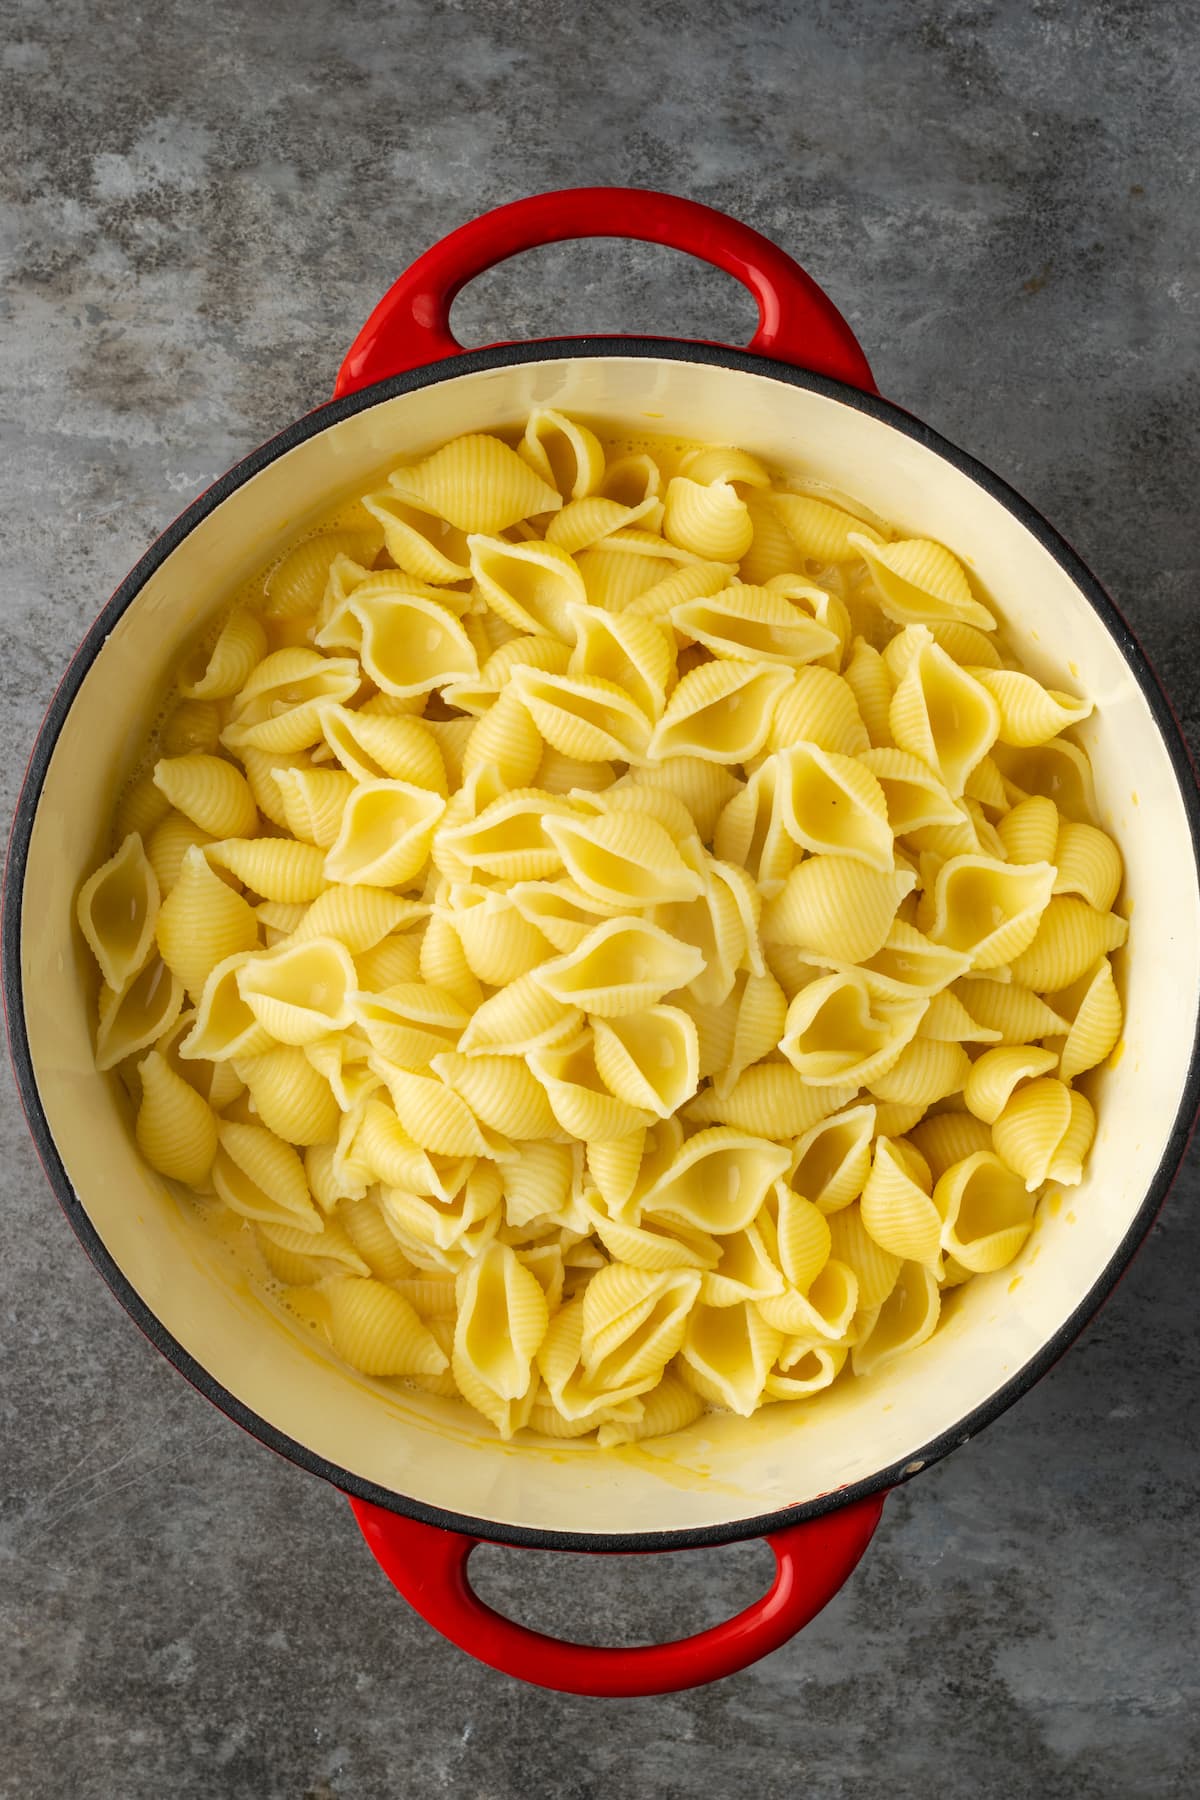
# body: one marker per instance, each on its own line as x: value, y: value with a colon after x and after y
x: 640, y: 942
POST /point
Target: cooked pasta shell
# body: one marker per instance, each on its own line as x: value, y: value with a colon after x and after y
x: 280, y: 869
x: 433, y: 1115
x: 375, y: 747
x: 921, y: 583
x: 822, y: 1314
x: 385, y: 836
x: 477, y: 484
x: 830, y: 1162
x: 997, y: 1073
x: 650, y: 1059
x: 301, y: 1256
x: 210, y: 792
x: 507, y: 740
x: 1045, y: 1132
x: 1029, y: 832
x: 424, y: 546
x: 582, y: 1102
x: 259, y: 1176
x: 508, y: 839
x: 626, y: 796
x: 1058, y: 770
x: 368, y: 1231
x: 590, y: 519
x: 770, y: 1099
x: 914, y: 796
x: 621, y: 966
x: 869, y: 680
x: 667, y: 1408
x: 117, y: 910
x: 896, y: 1208
x: 942, y: 714
x: 300, y: 992
x: 990, y: 910
x: 820, y: 532
x: 630, y: 651
x: 502, y: 1319
x: 313, y: 802
x: 520, y: 1017
x: 703, y: 786
x: 986, y: 1213
x: 816, y: 1367
x: 201, y: 923
x: 690, y: 582
x: 559, y: 774
x: 832, y: 803
x: 924, y: 1071
x: 539, y: 651
x: 260, y: 767
x: 720, y: 711
x: 409, y: 643
x: 632, y: 478
x: 498, y: 941
x: 633, y: 1323
x: 708, y: 518
x: 614, y: 1165
x: 141, y: 807
x: 1096, y: 1026
x: 947, y: 1020
x: 241, y: 644
x: 562, y: 453
x: 717, y: 1180
x: 531, y: 586
x: 747, y: 1269
x: 392, y: 959
x: 773, y: 551
x: 376, y: 1330
x: 575, y: 1398
x: 727, y: 1354
x: 950, y: 1137
x: 724, y: 462
x: 835, y: 907
x: 624, y: 859
x: 817, y: 707
x: 281, y: 706
x: 1088, y: 863
x: 290, y: 1097
x: 538, y: 1185
x: 754, y: 624
x: 751, y: 832
x: 1015, y: 1012
x: 502, y: 1091
x: 359, y: 917
x: 1030, y: 714
x: 193, y: 725
x: 560, y: 910
x: 1071, y: 937
x: 176, y: 1129
x: 905, y: 1320
x: 910, y: 964
x: 656, y: 1245
x: 833, y: 1037
x: 224, y: 1025
x: 584, y: 716
x: 760, y: 1013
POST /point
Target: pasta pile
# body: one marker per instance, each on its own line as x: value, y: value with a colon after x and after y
x: 617, y: 931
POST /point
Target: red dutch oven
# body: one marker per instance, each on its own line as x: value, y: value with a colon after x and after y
x: 427, y: 1483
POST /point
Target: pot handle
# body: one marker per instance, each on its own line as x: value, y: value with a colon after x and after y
x: 797, y: 322
x: 429, y: 1566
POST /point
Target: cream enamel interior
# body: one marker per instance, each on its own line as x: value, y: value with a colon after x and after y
x: 722, y: 1469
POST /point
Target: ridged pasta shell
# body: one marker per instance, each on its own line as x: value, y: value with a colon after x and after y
x: 477, y: 484
x: 1070, y: 938
x: 942, y: 714
x: 833, y: 804
x: 531, y: 586
x: 1096, y: 1026
x: 281, y: 706
x: 690, y: 582
x: 708, y: 518
x: 507, y: 740
x: 377, y: 1331
x: 280, y: 869
x: 1029, y: 831
x: 747, y: 1269
x: 621, y: 966
x: 905, y: 1320
x: 727, y: 1354
x: 835, y: 907
x: 502, y: 1091
x: 896, y: 1208
x: 241, y: 644
x: 520, y: 1017
x: 539, y: 1184
x: 754, y: 624
x: 720, y: 711
x: 300, y: 992
x: 948, y: 1138
x: 375, y: 747
x: 704, y: 787
x: 614, y: 1164
x: 631, y: 478
x: 750, y: 831
x: 141, y: 807
x: 579, y: 1097
x: 290, y: 1097
x: 117, y: 910
x: 192, y: 726
x: 176, y: 1130
x: 817, y: 707
x: 996, y: 1074
x: 563, y: 453
x: 633, y: 1323
x: 990, y: 910
x: 986, y: 1213
x: 201, y: 923
x: 623, y: 859
x: 210, y: 792
x: 1058, y: 770
x: 914, y: 796
x: 632, y: 652
x: 833, y: 1036
x: 1045, y: 1132
x: 540, y: 651
x: 650, y: 1059
x: 358, y: 917
x: 502, y: 1320
x: 1088, y: 864
x: 584, y: 716
x: 296, y: 585
x: 769, y: 1099
x: 410, y: 643
x: 591, y: 518
x: 870, y: 682
x: 425, y: 547
x: 666, y: 1409
x: 1029, y: 713
x: 830, y: 1162
x: 924, y: 1071
x: 947, y: 1020
x: 259, y: 1176
x: 921, y: 583
x: 1017, y: 1013
x: 385, y: 836
x: 821, y: 533
x: 717, y: 1181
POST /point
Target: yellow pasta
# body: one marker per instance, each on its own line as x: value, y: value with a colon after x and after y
x: 640, y: 941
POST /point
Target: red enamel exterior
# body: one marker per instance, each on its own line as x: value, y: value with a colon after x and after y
x: 429, y: 1566
x: 797, y: 324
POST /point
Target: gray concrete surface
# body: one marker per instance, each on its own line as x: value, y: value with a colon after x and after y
x: 201, y: 202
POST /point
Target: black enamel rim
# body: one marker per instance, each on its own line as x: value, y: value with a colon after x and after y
x: 311, y: 425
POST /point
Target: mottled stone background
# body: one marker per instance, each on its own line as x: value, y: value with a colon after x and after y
x: 202, y: 200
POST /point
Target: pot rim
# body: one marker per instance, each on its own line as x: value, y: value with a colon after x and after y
x: 310, y: 425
